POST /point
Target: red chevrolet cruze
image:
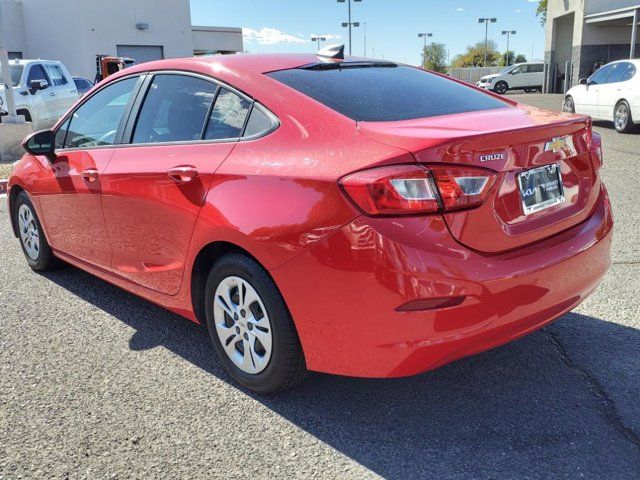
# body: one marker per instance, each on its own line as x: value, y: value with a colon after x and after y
x: 347, y: 216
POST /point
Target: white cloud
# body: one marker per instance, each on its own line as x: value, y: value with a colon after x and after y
x: 460, y: 9
x: 270, y: 36
x: 328, y: 36
x: 517, y: 10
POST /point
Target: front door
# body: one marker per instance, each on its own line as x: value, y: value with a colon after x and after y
x: 595, y: 83
x: 70, y: 199
x: 153, y: 189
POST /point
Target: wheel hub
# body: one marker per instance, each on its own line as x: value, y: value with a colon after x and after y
x: 242, y: 324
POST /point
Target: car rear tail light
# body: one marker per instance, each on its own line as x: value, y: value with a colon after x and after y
x: 596, y: 148
x: 393, y: 190
x: 414, y: 189
x: 462, y: 187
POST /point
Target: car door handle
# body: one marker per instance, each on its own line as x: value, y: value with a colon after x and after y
x: 52, y: 94
x: 90, y: 174
x: 183, y: 173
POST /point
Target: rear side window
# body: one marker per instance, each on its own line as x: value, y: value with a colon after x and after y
x: 535, y: 68
x: 621, y: 72
x: 386, y: 93
x: 629, y: 72
x: 55, y: 74
x: 257, y: 123
x: 227, y: 117
x: 174, y: 110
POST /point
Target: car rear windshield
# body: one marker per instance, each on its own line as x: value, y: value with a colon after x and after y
x: 380, y: 93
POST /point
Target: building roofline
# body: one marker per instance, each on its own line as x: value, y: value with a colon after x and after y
x: 202, y: 28
x: 612, y: 14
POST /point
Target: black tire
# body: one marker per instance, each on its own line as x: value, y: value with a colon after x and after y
x: 286, y: 366
x: 44, y: 259
x: 568, y: 106
x: 623, y: 122
x: 501, y: 87
x: 529, y: 90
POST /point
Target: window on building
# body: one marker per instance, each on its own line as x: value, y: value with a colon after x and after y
x: 96, y: 121
x: 174, y: 110
x: 56, y: 75
x: 227, y: 117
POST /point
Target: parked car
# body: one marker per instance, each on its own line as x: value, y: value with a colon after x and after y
x: 521, y: 76
x: 612, y: 93
x: 43, y: 91
x: 83, y: 85
x: 309, y: 221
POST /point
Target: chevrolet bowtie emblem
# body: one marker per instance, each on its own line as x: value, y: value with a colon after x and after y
x: 556, y: 144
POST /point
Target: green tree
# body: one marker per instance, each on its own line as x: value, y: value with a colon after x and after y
x: 435, y: 57
x: 541, y: 12
x: 474, y: 55
x: 520, y: 58
x: 507, y: 58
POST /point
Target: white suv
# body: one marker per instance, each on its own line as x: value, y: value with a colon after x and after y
x: 44, y: 90
x: 521, y: 76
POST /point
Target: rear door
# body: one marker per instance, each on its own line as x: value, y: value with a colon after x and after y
x: 70, y: 199
x: 535, y: 74
x: 62, y: 92
x: 617, y: 87
x: 153, y: 189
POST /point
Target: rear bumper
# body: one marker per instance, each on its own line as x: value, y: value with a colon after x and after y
x: 344, y: 292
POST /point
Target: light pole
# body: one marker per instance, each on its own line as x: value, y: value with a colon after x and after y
x: 318, y: 40
x: 424, y: 48
x: 365, y: 39
x: 486, y: 22
x: 508, y: 33
x: 349, y: 23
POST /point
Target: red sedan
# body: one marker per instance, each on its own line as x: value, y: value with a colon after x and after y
x: 346, y: 216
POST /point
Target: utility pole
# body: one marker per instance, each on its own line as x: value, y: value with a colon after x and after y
x: 349, y: 23
x: 424, y: 47
x: 486, y: 22
x: 508, y: 33
x: 318, y: 40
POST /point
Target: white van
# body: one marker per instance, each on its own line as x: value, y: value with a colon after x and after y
x: 521, y: 76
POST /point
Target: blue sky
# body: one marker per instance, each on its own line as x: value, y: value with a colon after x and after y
x: 392, y: 25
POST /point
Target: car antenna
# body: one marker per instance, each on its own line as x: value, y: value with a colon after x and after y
x: 332, y: 51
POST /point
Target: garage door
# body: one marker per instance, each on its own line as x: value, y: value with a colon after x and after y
x: 141, y: 53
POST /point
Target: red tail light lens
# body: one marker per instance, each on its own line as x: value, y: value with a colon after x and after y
x: 462, y: 187
x: 596, y: 148
x: 411, y: 189
x: 393, y: 190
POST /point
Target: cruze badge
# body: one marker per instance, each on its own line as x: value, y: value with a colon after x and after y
x: 493, y: 156
x: 556, y: 144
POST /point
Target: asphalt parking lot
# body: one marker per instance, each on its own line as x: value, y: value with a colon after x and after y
x: 97, y: 383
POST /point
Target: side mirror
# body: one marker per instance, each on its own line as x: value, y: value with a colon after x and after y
x: 583, y: 81
x: 36, y: 85
x: 41, y: 143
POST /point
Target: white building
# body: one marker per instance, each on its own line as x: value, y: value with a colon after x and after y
x: 581, y: 33
x: 75, y: 31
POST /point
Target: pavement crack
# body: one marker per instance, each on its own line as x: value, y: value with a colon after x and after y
x: 611, y: 415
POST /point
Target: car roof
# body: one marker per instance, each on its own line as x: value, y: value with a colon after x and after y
x: 255, y: 63
x: 27, y: 61
x: 634, y: 61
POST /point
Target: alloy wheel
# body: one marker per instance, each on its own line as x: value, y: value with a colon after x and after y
x: 29, y: 234
x: 621, y: 116
x: 567, y: 106
x: 242, y: 324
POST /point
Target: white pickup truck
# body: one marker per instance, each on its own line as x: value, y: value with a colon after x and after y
x: 43, y: 89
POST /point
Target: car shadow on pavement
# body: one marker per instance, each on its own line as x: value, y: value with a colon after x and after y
x: 551, y: 405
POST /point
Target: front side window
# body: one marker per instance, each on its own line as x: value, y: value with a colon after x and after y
x: 96, y: 121
x: 56, y: 75
x: 227, y: 117
x: 601, y: 75
x: 174, y: 110
x: 36, y: 73
x: 382, y: 92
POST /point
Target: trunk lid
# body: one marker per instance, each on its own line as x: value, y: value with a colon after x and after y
x: 506, y: 141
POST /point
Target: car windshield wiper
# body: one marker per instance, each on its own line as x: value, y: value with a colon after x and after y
x: 341, y: 65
